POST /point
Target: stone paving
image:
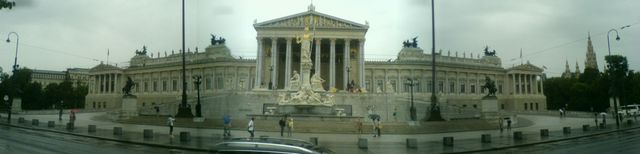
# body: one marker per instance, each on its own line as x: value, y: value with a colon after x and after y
x: 204, y: 138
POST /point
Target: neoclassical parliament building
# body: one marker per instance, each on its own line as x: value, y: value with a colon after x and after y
x: 241, y: 86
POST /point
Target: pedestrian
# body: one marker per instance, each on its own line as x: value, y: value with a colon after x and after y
x: 500, y: 124
x: 378, y: 126
x: 282, y: 124
x: 604, y: 119
x: 359, y: 126
x: 560, y: 112
x: 250, y: 127
x: 509, y: 124
x: 289, y: 126
x: 227, y: 125
x: 375, y: 127
x: 170, y: 122
x: 157, y: 111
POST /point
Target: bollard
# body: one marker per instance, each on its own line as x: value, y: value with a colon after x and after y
x: 585, y: 128
x: 447, y: 141
x: 544, y: 132
x: 148, y: 133
x: 486, y: 138
x: 185, y: 137
x: 314, y: 140
x: 51, y: 124
x: 35, y: 122
x: 362, y: 143
x: 70, y: 126
x: 264, y: 137
x: 566, y: 130
x: 21, y: 120
x: 92, y: 129
x: 117, y: 131
x: 517, y: 135
x: 412, y: 143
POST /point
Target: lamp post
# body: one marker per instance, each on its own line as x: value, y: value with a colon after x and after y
x: 184, y: 110
x: 435, y: 110
x: 6, y: 99
x: 197, y: 82
x: 412, y: 109
x: 15, y: 61
x: 60, y: 110
x: 271, y: 77
x: 615, y: 102
x: 349, y: 86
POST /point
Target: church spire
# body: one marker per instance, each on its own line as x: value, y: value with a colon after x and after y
x: 591, y: 55
x: 567, y: 72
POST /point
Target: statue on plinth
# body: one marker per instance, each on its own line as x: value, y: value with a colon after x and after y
x: 378, y: 89
x: 126, y: 90
x: 316, y: 82
x: 389, y: 87
x: 294, y: 83
x: 490, y: 85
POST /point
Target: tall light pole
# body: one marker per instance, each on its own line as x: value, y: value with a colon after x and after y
x: 412, y: 109
x: 435, y: 110
x: 184, y: 110
x: 615, y: 101
x: 15, y: 61
x: 6, y: 99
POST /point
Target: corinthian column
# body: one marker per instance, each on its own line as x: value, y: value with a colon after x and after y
x: 318, y: 53
x: 346, y: 63
x: 287, y: 72
x: 361, y: 62
x: 332, y: 73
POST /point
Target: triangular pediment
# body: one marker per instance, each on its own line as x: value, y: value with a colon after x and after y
x: 320, y: 20
x: 527, y: 67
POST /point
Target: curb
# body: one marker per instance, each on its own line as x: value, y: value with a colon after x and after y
x: 543, y: 142
x: 110, y: 139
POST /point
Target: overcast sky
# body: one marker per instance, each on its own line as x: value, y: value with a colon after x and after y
x: 57, y: 34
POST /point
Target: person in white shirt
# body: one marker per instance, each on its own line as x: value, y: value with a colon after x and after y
x: 250, y: 127
x: 170, y: 121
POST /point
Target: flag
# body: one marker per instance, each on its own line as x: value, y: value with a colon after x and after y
x: 520, y: 53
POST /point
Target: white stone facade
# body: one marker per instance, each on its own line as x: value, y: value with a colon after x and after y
x: 240, y: 87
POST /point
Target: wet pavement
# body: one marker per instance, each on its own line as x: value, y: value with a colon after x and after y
x: 203, y: 139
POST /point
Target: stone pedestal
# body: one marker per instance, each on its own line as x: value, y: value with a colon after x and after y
x: 129, y: 107
x: 16, y: 106
x: 489, y: 108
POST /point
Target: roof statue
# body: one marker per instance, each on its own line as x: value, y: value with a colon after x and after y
x: 489, y: 53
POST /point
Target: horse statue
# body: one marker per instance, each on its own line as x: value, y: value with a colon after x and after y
x: 490, y: 85
x: 126, y: 90
x: 489, y: 53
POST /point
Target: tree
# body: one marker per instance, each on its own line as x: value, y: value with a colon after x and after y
x: 617, y: 69
x: 6, y: 4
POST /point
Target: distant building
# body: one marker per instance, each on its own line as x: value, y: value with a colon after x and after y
x: 46, y: 77
x: 243, y: 86
x: 590, y: 62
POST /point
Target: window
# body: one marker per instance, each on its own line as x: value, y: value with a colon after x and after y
x: 208, y: 84
x: 155, y: 86
x: 452, y: 87
x: 393, y: 85
x: 525, y: 106
x: 164, y: 85
x: 529, y: 89
x: 475, y: 106
x: 94, y: 105
x: 536, y: 106
x: 502, y: 106
x: 380, y: 84
x: 472, y: 88
x: 146, y: 87
x: 441, y: 86
x: 174, y: 85
x: 462, y: 87
x: 137, y: 87
x: 500, y: 87
x: 219, y: 83
x: 406, y: 86
x: 429, y: 85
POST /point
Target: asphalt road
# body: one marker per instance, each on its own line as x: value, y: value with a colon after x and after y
x: 624, y: 142
x: 17, y: 141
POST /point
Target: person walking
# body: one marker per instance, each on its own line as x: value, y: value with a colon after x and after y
x: 250, y: 127
x: 170, y: 122
x: 227, y: 125
x: 282, y: 124
x: 501, y: 124
x: 378, y: 126
x: 509, y: 124
x: 289, y: 126
x: 359, y: 126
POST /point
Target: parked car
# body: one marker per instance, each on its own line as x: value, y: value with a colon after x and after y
x: 629, y: 110
x: 268, y: 145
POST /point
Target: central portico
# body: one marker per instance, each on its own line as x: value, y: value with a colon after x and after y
x: 337, y: 51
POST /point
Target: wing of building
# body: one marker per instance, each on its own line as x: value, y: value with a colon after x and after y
x: 241, y: 86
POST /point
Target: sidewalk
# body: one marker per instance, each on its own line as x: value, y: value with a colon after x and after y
x: 203, y: 139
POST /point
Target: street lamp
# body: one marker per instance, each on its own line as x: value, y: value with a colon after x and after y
x: 184, y: 110
x: 349, y: 86
x: 197, y: 82
x: 6, y: 99
x: 271, y: 77
x: 435, y: 110
x: 60, y: 108
x: 15, y: 61
x: 615, y: 101
x: 412, y: 109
